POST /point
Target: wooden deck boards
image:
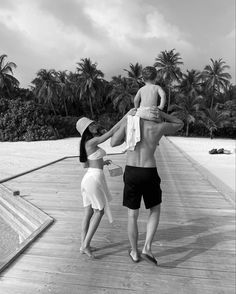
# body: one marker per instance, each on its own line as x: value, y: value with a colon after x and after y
x: 195, y: 241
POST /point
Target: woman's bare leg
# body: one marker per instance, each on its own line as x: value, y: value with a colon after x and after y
x: 86, y: 221
x: 94, y: 223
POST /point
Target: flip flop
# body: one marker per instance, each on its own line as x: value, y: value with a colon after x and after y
x: 227, y: 151
x: 213, y: 151
x: 220, y: 151
x: 130, y: 256
x: 149, y: 259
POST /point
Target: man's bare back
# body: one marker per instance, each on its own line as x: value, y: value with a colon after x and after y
x: 151, y: 133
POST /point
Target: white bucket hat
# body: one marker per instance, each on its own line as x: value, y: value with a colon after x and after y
x: 82, y: 124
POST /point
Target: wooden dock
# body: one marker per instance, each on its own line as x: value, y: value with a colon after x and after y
x: 194, y: 244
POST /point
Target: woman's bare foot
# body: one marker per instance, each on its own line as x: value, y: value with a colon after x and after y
x: 90, y: 247
x: 87, y: 251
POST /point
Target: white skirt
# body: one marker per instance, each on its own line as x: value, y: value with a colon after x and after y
x: 95, y: 191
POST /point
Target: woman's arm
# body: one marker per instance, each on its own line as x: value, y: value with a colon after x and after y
x: 162, y: 94
x: 119, y: 137
x: 98, y: 140
x: 137, y: 99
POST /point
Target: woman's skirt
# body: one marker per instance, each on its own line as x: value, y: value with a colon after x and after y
x: 95, y: 192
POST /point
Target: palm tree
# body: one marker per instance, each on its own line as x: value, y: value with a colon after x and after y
x: 64, y: 89
x: 7, y: 81
x: 47, y: 87
x: 187, y: 108
x: 231, y: 92
x: 213, y: 119
x: 135, y: 73
x: 90, y: 79
x: 122, y: 93
x: 191, y: 82
x: 215, y: 78
x: 167, y: 64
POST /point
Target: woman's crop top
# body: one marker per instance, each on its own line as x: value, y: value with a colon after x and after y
x: 98, y: 154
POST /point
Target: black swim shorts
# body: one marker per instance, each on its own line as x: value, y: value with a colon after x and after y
x: 141, y: 181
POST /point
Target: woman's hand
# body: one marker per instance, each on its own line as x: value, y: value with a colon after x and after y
x: 132, y: 111
x: 107, y: 162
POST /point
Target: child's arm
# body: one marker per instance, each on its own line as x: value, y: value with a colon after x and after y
x: 162, y: 94
x: 137, y: 99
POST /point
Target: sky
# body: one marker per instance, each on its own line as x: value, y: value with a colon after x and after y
x: 57, y: 34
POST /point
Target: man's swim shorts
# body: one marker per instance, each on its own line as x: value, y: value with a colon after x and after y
x: 141, y: 181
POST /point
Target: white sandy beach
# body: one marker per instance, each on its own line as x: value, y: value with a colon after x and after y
x: 19, y: 157
x: 220, y: 165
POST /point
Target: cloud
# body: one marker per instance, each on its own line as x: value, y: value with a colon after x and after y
x: 125, y: 24
x: 58, y: 33
x: 231, y: 34
x: 71, y: 16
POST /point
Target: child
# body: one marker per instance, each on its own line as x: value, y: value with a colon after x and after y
x: 146, y: 99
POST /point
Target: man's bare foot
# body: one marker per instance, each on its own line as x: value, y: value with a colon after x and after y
x: 149, y: 257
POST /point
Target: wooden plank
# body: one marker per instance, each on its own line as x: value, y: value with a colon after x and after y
x: 25, y: 219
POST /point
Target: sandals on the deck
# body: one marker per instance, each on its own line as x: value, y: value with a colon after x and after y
x: 219, y: 151
x: 213, y: 151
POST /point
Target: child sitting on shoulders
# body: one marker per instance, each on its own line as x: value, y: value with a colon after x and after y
x: 146, y: 99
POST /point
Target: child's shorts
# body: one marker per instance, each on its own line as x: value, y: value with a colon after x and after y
x: 149, y: 113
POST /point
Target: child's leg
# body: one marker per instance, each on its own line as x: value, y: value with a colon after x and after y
x: 154, y: 114
x: 94, y: 223
x: 86, y: 221
x: 155, y: 118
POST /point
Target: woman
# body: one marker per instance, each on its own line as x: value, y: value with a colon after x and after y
x: 94, y: 190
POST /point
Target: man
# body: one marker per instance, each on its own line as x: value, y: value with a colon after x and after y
x: 142, y: 180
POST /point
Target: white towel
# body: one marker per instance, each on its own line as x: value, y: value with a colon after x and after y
x: 133, y: 132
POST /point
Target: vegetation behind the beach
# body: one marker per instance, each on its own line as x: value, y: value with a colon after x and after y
x: 204, y: 99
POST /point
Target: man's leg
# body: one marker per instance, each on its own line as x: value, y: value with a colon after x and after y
x: 133, y: 232
x: 152, y: 225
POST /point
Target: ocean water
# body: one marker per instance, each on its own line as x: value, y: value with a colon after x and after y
x: 9, y: 240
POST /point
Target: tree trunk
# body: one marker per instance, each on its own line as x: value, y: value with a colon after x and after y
x: 168, y: 105
x: 91, y: 106
x: 53, y: 108
x: 212, y: 100
x: 66, y: 111
x: 211, y: 134
x: 187, y: 129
